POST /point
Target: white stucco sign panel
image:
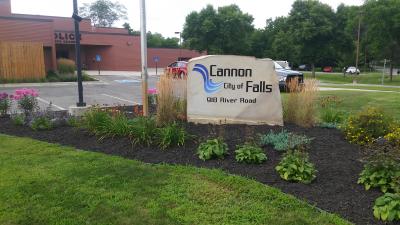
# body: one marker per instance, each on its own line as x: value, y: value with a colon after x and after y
x: 233, y: 89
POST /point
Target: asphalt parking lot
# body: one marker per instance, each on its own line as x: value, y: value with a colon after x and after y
x: 108, y: 90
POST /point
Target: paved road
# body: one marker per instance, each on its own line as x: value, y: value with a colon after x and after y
x: 109, y: 90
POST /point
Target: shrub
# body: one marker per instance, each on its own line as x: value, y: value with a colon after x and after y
x: 18, y: 119
x: 329, y: 113
x: 387, y: 207
x: 41, y: 123
x: 295, y: 166
x: 300, y: 107
x: 394, y: 137
x: 212, y: 148
x: 366, y: 126
x: 117, y: 126
x: 250, y: 154
x: 26, y: 100
x: 73, y: 121
x: 285, y: 140
x: 5, y: 103
x: 171, y: 100
x: 66, y: 66
x: 171, y: 135
x: 383, y: 173
x: 95, y: 120
x: 142, y: 130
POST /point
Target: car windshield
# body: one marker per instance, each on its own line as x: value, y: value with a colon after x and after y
x: 181, y: 64
x: 277, y: 66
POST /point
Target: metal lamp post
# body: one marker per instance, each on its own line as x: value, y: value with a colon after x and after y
x: 180, y: 44
x: 143, y: 41
x: 78, y: 19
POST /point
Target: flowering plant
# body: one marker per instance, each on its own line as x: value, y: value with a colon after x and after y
x: 152, y: 96
x: 27, y: 99
x: 5, y: 103
x: 366, y: 126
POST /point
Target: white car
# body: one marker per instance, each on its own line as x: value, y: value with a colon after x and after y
x: 352, y: 70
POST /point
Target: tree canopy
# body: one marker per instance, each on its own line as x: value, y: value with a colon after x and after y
x: 103, y: 13
x: 313, y: 33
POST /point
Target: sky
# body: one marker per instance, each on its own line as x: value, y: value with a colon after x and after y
x: 168, y: 16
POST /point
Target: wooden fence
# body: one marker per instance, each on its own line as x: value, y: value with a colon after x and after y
x: 21, y: 61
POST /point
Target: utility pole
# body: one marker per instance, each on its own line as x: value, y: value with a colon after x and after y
x: 77, y: 20
x: 143, y: 42
x: 358, y: 40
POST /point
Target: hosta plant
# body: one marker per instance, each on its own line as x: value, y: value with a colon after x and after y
x: 387, y: 207
x: 284, y: 140
x: 171, y: 135
x: 41, y: 123
x: 250, y: 154
x: 296, y: 167
x: 383, y: 174
x: 212, y: 148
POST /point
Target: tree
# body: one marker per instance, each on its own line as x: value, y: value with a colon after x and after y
x: 383, y: 22
x: 156, y: 40
x: 226, y: 31
x: 103, y: 13
x: 130, y: 30
x: 311, y: 24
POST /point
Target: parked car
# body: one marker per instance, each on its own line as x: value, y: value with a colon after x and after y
x: 285, y: 76
x: 304, y: 67
x: 352, y: 70
x: 178, y: 69
x: 284, y: 64
x: 327, y: 69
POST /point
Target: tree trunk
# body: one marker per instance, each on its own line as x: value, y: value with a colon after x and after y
x: 391, y: 71
x: 313, y: 70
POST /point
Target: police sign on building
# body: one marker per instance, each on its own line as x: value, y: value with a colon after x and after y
x: 233, y: 89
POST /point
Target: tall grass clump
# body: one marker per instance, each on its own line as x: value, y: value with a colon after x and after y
x: 66, y: 66
x: 171, y: 100
x: 300, y: 107
x: 96, y: 121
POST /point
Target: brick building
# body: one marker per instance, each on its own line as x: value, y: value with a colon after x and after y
x: 118, y: 50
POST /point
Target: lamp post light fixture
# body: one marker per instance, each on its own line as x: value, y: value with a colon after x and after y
x: 180, y: 44
x: 77, y: 20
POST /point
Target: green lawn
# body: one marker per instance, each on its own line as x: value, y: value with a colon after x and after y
x: 43, y: 183
x: 354, y: 101
x: 368, y: 78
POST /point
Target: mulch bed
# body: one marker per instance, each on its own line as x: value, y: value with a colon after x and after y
x: 338, y: 163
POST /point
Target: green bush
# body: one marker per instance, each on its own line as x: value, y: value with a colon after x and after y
x: 41, y: 123
x: 18, y: 119
x: 66, y: 66
x: 212, y: 148
x: 329, y: 113
x: 387, y: 207
x: 73, y: 121
x: 285, y: 140
x: 118, y: 126
x: 95, y: 120
x: 250, y: 154
x: 381, y: 173
x: 366, y: 126
x: 394, y: 137
x: 295, y: 166
x: 171, y: 135
x: 142, y: 130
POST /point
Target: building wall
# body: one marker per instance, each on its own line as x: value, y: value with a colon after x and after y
x: 169, y: 55
x: 5, y: 7
x: 26, y: 30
